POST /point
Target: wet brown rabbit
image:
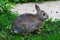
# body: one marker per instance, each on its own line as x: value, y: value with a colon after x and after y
x: 27, y: 23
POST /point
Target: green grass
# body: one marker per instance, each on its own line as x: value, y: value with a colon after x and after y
x: 51, y: 30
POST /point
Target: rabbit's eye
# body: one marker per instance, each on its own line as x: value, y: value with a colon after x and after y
x: 43, y: 14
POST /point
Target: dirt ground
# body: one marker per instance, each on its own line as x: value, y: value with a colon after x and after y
x: 52, y: 8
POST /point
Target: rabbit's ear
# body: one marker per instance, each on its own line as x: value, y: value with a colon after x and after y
x: 37, y: 8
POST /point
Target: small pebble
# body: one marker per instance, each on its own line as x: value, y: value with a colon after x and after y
x: 57, y: 12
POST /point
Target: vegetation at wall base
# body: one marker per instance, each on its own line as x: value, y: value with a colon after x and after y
x: 26, y: 1
x: 50, y: 31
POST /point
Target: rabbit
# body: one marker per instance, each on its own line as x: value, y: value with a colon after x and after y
x: 27, y: 23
